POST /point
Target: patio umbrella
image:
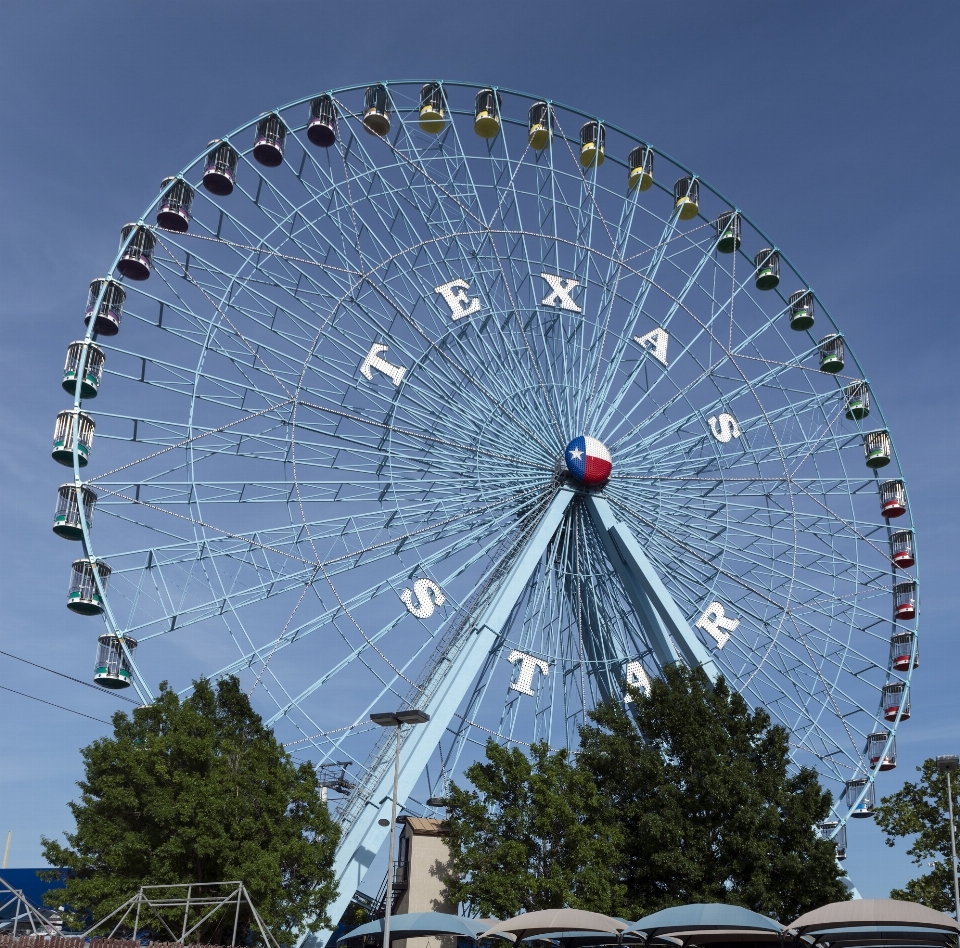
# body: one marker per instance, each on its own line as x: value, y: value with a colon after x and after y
x: 586, y: 939
x: 890, y: 915
x: 554, y: 922
x: 714, y: 921
x: 881, y: 936
x: 421, y: 924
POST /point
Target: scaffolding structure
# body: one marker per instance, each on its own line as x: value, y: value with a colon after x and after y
x: 200, y: 901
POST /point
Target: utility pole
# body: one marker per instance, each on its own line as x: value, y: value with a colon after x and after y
x: 395, y: 719
x: 948, y: 763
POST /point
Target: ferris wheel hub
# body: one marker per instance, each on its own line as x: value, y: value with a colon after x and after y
x: 588, y: 461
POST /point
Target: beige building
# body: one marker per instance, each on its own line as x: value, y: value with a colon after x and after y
x: 424, y: 865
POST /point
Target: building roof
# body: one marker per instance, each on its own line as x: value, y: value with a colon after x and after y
x: 424, y: 826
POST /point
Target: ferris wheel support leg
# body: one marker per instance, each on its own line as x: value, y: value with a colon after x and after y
x: 647, y: 593
x: 446, y: 690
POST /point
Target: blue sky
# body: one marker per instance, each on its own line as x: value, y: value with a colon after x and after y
x: 832, y: 125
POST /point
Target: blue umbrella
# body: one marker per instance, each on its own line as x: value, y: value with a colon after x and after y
x: 704, y: 916
x: 421, y: 924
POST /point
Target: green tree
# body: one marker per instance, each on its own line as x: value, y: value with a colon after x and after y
x: 920, y: 810
x: 529, y: 836
x: 198, y: 791
x: 707, y: 810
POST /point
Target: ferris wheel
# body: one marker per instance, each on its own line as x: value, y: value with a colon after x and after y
x: 449, y: 398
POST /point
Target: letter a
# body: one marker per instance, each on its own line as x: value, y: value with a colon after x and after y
x: 655, y: 342
x: 638, y: 677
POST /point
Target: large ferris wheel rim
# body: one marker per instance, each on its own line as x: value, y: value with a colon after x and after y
x: 465, y: 84
x: 510, y: 121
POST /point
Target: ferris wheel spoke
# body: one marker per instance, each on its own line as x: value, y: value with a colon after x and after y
x: 464, y: 374
x: 767, y: 435
x: 706, y: 252
x: 224, y: 318
x: 481, y: 544
x: 600, y: 387
x: 752, y: 548
x: 737, y: 386
x: 487, y: 545
x: 274, y: 582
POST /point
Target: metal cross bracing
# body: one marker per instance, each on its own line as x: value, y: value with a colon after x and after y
x: 336, y: 412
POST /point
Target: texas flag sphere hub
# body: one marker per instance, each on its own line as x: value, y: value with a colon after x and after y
x: 589, y: 461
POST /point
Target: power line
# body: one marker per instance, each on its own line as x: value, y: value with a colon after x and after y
x: 62, y: 675
x: 52, y: 705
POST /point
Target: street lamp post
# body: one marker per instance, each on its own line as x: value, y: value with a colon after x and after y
x: 948, y: 763
x: 395, y: 719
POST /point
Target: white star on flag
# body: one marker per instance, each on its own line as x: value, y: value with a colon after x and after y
x: 576, y: 454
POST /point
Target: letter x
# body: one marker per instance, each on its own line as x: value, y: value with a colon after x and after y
x: 561, y: 293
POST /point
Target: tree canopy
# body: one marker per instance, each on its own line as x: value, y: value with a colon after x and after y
x: 198, y: 791
x: 529, y: 836
x: 708, y: 810
x: 683, y: 795
x: 920, y: 810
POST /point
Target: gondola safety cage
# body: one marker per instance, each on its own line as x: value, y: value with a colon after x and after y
x: 433, y: 108
x: 220, y: 171
x: 486, y: 113
x: 92, y: 358
x: 640, y: 174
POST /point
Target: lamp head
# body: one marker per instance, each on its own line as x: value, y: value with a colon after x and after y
x: 396, y: 718
x: 948, y: 763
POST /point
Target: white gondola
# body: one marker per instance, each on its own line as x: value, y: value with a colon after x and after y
x: 63, y: 446
x: 84, y: 596
x: 876, y: 448
x: 856, y: 400
x: 174, y: 210
x: 92, y: 369
x: 686, y: 198
x: 767, y: 263
x: 433, y: 108
x: 893, y: 499
x: 376, y: 109
x: 801, y: 310
x: 539, y: 125
x: 838, y: 838
x: 136, y: 258
x: 269, y: 140
x: 831, y: 353
x: 220, y: 171
x: 901, y: 549
x: 905, y: 600
x: 879, y: 755
x: 861, y: 808
x: 640, y: 162
x: 322, y: 124
x: 66, y: 519
x: 901, y: 648
x: 113, y: 667
x: 728, y: 232
x: 894, y: 701
x: 110, y: 309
